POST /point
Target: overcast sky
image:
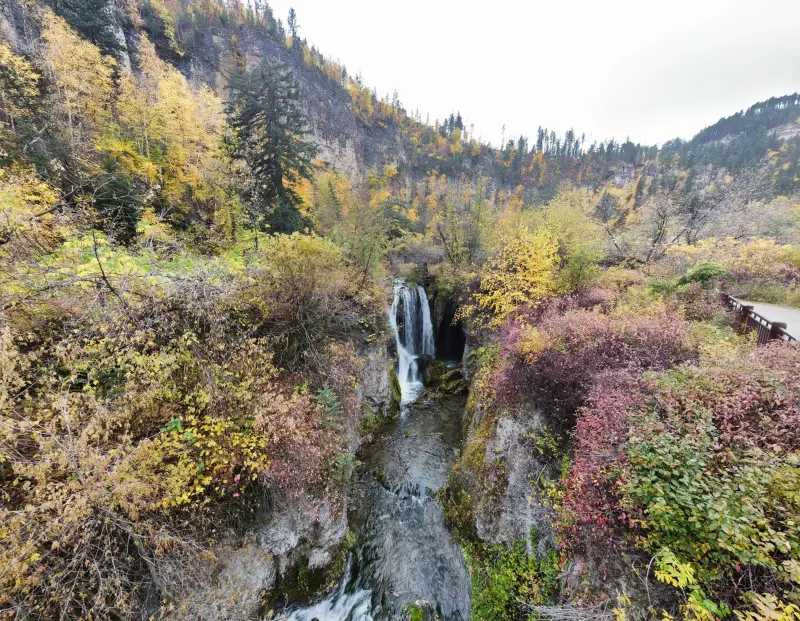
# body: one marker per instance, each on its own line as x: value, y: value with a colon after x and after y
x: 648, y: 69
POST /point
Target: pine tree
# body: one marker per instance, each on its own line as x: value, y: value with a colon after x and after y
x: 269, y: 135
x: 291, y: 22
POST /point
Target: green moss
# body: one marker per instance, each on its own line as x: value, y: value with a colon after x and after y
x: 466, y: 482
x: 416, y: 611
x: 436, y: 371
x: 396, y: 394
x: 455, y: 387
x: 370, y: 421
x: 301, y: 583
x: 451, y: 375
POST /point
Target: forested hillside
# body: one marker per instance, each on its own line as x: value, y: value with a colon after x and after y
x: 200, y: 219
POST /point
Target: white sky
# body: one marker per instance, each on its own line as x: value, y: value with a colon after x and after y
x: 648, y: 69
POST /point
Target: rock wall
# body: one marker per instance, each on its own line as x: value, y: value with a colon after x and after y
x: 504, y: 460
x: 298, y: 549
x: 298, y: 546
x: 346, y: 143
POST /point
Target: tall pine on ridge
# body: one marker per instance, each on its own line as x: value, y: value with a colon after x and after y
x: 269, y: 130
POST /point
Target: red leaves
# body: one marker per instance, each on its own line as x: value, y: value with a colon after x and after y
x: 753, y: 407
x: 582, y: 345
x: 601, y: 430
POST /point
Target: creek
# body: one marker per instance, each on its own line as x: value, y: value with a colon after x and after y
x: 404, y: 554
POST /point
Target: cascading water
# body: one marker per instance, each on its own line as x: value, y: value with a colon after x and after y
x: 405, y: 552
x: 410, y: 320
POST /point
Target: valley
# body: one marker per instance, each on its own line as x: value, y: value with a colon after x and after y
x: 272, y: 346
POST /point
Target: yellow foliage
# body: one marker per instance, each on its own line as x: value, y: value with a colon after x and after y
x: 83, y: 80
x: 767, y: 607
x: 532, y: 342
x: 22, y: 196
x: 522, y: 273
x: 580, y: 237
x: 170, y: 132
x: 18, y: 84
x: 759, y: 257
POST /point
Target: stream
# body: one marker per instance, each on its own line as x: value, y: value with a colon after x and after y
x: 404, y: 552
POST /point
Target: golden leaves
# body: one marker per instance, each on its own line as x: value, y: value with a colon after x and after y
x: 522, y: 273
x: 83, y: 80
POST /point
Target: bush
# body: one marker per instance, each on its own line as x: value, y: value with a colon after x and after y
x: 702, y: 461
x: 703, y: 273
x: 504, y: 579
x: 556, y: 363
x: 595, y: 517
x: 154, y: 413
x: 521, y: 274
x: 309, y: 295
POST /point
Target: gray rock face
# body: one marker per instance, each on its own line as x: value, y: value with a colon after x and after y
x: 301, y: 531
x: 111, y: 15
x: 509, y: 453
x: 374, y: 388
x: 345, y: 143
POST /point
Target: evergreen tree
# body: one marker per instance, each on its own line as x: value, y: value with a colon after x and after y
x: 269, y: 136
x: 291, y: 21
x: 608, y: 207
x: 569, y: 139
x: 91, y: 18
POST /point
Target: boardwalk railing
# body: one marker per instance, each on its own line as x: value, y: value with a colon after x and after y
x: 767, y: 330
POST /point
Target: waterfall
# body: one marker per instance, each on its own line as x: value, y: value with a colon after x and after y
x: 428, y: 348
x: 410, y: 320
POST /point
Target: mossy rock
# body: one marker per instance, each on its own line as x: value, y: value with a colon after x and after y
x: 301, y: 584
x: 451, y: 375
x: 436, y: 370
x: 452, y: 383
x: 395, y: 393
x: 419, y: 610
x: 456, y: 387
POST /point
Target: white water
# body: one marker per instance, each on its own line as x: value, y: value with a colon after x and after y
x: 414, y: 337
x: 428, y: 346
x: 406, y: 552
x: 339, y: 604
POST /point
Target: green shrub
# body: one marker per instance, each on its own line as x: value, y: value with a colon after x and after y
x: 703, y: 272
x: 662, y: 287
x: 504, y: 577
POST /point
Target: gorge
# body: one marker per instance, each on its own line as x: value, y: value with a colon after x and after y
x: 404, y: 557
x: 271, y: 346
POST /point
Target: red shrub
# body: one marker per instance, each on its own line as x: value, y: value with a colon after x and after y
x: 705, y: 460
x: 580, y: 345
x: 592, y: 497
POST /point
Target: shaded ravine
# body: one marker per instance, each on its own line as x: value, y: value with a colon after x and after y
x: 404, y: 552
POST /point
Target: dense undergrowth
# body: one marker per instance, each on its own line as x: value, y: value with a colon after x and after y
x: 681, y: 438
x: 168, y: 367
x: 169, y: 364
x: 145, y: 407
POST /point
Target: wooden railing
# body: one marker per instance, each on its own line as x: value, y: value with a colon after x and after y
x: 767, y: 330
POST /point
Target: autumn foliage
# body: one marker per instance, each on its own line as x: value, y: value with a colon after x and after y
x: 701, y: 461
